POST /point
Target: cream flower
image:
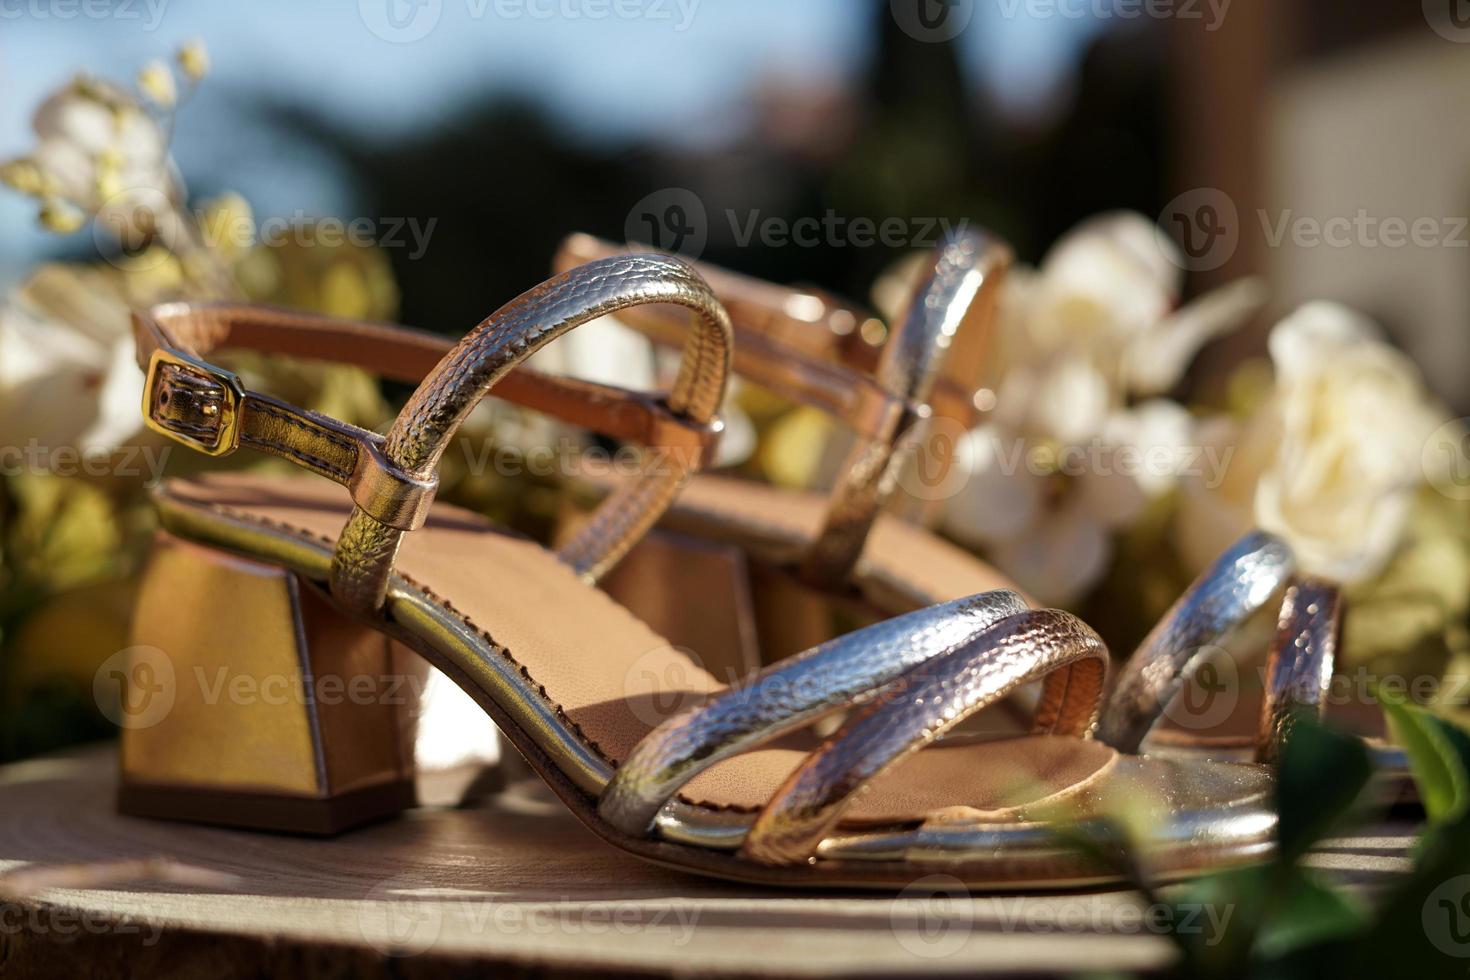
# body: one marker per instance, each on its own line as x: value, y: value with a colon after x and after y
x: 90, y: 135
x: 1353, y: 416
x: 608, y: 351
x: 1071, y: 454
x: 68, y: 377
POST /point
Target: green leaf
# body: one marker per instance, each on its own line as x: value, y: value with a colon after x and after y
x: 1321, y: 776
x: 1435, y: 760
x: 1306, y: 913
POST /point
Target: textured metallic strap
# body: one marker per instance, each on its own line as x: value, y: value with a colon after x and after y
x: 787, y: 696
x: 922, y: 707
x: 423, y: 430
x: 1299, y: 665
x: 1228, y: 593
x: 809, y: 348
x: 804, y: 345
x: 959, y: 293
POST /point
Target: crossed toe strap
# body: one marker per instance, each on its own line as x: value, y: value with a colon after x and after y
x: 808, y: 348
x: 787, y: 696
x: 393, y: 479
x: 914, y: 677
x: 926, y: 704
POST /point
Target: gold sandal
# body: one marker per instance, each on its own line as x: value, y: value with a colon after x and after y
x: 263, y: 583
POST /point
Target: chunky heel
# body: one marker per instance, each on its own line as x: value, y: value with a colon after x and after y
x: 247, y: 700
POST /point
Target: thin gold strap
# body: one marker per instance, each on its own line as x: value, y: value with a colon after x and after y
x: 953, y: 306
x: 923, y: 706
x: 1299, y: 665
x: 367, y: 546
x: 787, y: 696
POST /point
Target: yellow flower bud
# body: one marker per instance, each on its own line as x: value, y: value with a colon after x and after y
x: 194, y: 59
x: 228, y: 224
x: 157, y: 83
x: 24, y: 176
x: 58, y: 216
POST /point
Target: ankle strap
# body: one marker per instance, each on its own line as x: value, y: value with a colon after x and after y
x: 807, y: 347
x: 392, y: 479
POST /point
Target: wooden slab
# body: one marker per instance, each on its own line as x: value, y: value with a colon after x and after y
x: 515, y: 884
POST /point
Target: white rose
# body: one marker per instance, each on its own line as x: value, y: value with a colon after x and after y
x: 1353, y: 416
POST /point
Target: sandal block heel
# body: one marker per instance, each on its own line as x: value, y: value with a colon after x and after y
x: 247, y: 700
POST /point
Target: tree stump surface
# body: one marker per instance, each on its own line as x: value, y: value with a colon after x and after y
x: 515, y: 884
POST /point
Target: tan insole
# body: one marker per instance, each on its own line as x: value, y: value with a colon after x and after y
x: 591, y: 657
x: 899, y: 558
x: 1197, y: 722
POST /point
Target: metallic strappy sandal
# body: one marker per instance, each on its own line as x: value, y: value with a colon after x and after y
x: 299, y: 582
x: 1231, y: 719
x: 810, y: 349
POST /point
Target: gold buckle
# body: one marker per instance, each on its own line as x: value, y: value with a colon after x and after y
x: 194, y: 403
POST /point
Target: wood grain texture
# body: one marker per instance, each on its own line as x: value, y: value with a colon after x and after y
x: 515, y: 885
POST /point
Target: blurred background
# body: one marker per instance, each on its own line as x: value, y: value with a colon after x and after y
x: 508, y: 123
x: 470, y: 136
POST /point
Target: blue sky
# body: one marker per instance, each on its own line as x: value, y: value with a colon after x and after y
x: 680, y: 71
